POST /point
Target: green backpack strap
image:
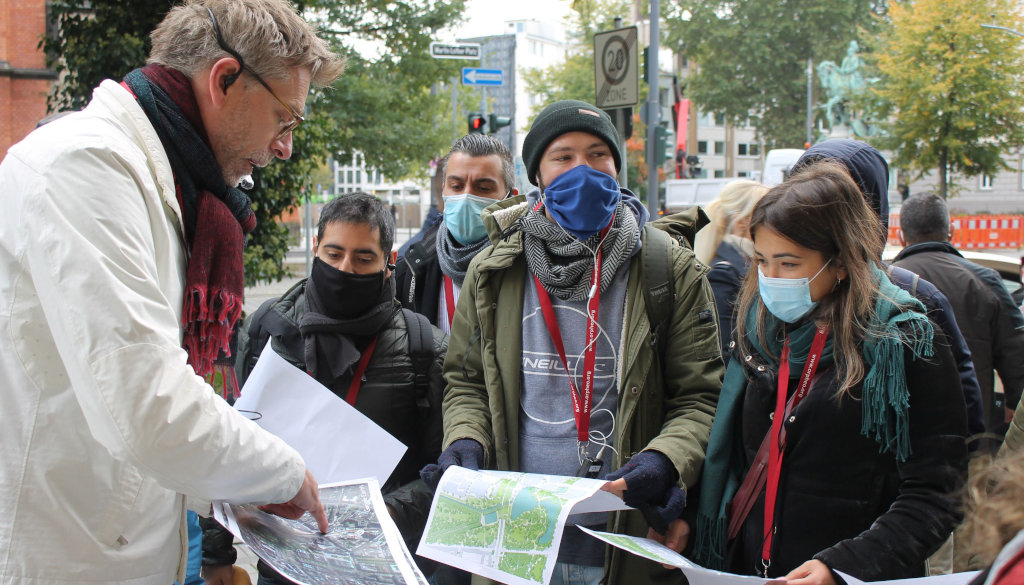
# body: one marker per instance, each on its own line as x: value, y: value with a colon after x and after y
x: 659, y: 293
x: 421, y: 352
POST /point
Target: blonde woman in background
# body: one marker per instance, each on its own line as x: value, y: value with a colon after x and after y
x: 725, y: 245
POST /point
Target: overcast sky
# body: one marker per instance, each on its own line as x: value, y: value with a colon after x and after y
x: 487, y: 17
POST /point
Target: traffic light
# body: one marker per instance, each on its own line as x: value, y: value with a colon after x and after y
x: 693, y: 164
x: 496, y: 122
x: 477, y: 123
x: 660, y: 144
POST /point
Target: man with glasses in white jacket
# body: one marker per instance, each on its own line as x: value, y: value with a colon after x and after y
x: 120, y: 281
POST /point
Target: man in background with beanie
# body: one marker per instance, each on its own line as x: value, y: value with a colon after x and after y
x: 869, y: 170
x: 554, y: 314
x: 477, y: 172
x: 121, y: 274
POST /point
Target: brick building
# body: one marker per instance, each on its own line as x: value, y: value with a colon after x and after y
x: 24, y: 78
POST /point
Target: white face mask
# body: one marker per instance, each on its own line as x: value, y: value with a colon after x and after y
x: 789, y: 299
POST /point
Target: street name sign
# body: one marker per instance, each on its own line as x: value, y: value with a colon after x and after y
x: 477, y: 76
x: 455, y: 50
x: 616, y: 69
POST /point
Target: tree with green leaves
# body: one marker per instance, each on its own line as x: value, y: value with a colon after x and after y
x: 383, y: 105
x: 573, y: 79
x: 751, y: 56
x: 950, y: 94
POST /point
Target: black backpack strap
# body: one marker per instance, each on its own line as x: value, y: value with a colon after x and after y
x: 421, y: 353
x: 658, y: 283
x: 258, y: 336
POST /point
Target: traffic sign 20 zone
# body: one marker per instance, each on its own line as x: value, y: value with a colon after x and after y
x: 615, y: 68
x: 615, y: 60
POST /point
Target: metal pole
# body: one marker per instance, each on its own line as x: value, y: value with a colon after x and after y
x: 307, y: 224
x: 810, y: 76
x: 483, y: 89
x: 620, y: 126
x: 455, y: 109
x: 653, y: 111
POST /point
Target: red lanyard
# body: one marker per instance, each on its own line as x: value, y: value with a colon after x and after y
x: 775, y: 451
x: 357, y: 377
x: 580, y: 400
x: 449, y: 300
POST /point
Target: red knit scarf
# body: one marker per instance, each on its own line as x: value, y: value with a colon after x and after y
x: 216, y: 216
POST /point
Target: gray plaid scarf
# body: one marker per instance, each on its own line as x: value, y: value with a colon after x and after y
x: 454, y: 258
x: 564, y: 264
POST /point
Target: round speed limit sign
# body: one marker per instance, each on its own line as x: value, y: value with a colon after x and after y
x: 615, y: 68
x: 615, y: 60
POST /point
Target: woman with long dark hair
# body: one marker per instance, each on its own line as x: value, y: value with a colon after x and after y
x: 853, y: 394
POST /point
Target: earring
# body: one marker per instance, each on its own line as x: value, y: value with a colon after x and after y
x: 839, y: 281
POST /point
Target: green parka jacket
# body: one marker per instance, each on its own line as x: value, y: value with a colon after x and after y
x: 666, y: 403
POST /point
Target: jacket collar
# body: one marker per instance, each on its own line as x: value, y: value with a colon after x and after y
x: 732, y: 255
x: 117, y: 99
x: 945, y: 247
x: 500, y: 216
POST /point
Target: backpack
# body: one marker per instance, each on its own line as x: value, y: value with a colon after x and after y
x: 660, y: 236
x: 659, y: 286
x: 421, y: 341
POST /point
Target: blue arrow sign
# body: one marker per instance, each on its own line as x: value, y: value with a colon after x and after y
x: 477, y: 76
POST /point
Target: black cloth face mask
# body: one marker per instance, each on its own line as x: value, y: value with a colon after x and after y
x: 344, y: 295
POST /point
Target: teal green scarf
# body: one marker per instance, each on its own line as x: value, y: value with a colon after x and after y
x: 899, y: 320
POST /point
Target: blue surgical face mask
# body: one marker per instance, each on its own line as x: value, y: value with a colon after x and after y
x: 789, y: 299
x: 462, y: 217
x: 582, y: 200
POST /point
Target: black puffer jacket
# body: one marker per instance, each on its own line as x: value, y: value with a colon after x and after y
x: 388, y: 397
x: 840, y: 500
x: 418, y: 276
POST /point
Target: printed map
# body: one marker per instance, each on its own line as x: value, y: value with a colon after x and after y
x: 505, y: 525
x: 359, y: 547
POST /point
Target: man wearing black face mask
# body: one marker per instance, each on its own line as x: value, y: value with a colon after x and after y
x: 559, y: 364
x: 344, y: 326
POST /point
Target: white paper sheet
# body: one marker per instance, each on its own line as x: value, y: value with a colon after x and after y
x: 333, y: 438
x: 505, y: 525
x: 697, y: 575
x: 954, y: 579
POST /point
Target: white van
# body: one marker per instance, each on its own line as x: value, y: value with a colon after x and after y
x: 683, y: 193
x: 777, y: 164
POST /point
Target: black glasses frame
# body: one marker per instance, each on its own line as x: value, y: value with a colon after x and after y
x: 228, y: 80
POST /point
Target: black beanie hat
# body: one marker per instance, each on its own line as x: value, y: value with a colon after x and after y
x: 564, y: 117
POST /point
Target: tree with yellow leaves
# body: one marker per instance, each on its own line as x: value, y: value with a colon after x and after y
x: 950, y: 90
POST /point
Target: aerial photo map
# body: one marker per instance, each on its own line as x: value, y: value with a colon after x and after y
x: 504, y: 525
x: 358, y: 549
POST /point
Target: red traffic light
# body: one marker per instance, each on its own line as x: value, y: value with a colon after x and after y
x: 477, y: 123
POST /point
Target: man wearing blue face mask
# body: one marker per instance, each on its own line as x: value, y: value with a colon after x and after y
x: 555, y: 365
x: 477, y: 172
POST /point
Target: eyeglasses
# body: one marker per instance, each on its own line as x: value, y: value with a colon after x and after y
x: 228, y: 80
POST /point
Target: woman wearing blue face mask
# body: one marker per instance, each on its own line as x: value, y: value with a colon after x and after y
x: 839, y: 438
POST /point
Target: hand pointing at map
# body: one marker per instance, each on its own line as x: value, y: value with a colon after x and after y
x: 307, y: 500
